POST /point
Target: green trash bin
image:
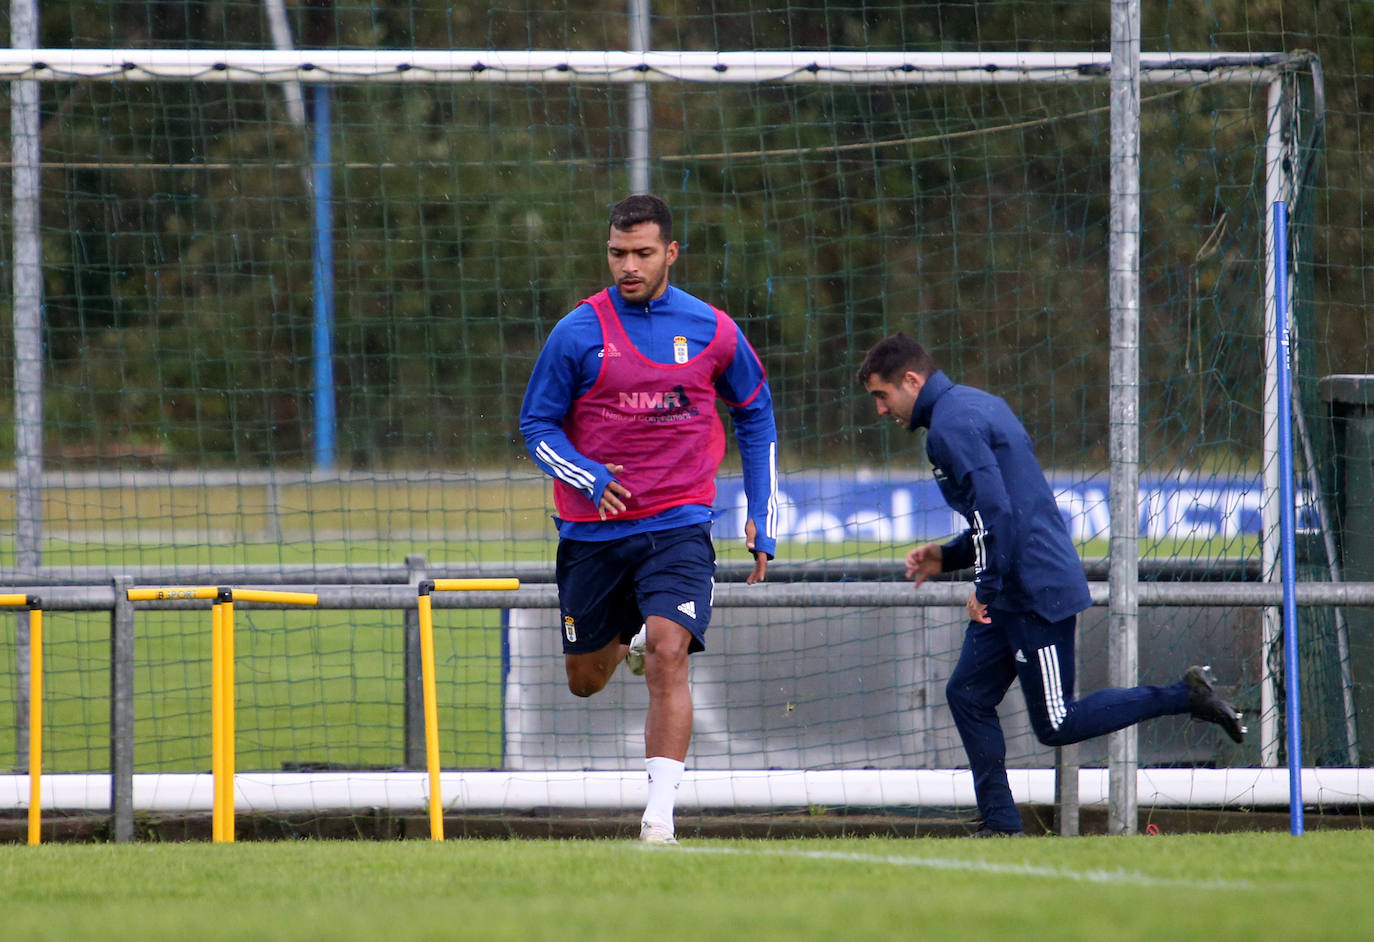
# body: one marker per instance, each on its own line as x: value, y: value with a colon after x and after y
x: 1349, y: 402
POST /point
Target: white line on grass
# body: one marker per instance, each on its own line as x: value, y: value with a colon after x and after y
x: 1125, y: 877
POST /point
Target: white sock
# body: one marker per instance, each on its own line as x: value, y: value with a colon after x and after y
x: 664, y: 777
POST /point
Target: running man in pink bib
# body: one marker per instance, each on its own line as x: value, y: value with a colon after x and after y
x: 621, y: 411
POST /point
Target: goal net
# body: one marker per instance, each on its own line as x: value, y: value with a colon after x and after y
x: 290, y: 346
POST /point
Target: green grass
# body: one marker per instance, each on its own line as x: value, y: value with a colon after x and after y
x: 1213, y: 888
x: 363, y: 552
x: 318, y: 687
x: 493, y: 549
x: 322, y: 687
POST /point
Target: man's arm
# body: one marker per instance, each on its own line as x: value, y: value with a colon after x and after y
x: 556, y: 380
x: 958, y: 552
x: 744, y: 388
x: 986, y: 545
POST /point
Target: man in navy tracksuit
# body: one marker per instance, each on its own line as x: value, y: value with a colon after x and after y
x: 1028, y: 582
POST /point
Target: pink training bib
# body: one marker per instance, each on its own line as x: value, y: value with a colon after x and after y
x: 659, y: 420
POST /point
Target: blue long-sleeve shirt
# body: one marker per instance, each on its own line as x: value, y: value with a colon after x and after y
x: 570, y: 363
x: 1017, y: 542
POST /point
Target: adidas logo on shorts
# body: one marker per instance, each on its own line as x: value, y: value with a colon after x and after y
x: 689, y: 609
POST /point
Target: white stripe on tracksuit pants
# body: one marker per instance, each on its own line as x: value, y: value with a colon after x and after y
x: 1053, y: 685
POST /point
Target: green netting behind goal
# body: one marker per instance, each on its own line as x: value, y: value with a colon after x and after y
x: 179, y: 293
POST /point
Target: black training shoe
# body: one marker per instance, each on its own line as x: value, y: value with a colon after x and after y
x: 1204, y: 703
x: 986, y: 831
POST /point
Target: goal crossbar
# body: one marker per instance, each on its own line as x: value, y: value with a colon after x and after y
x: 317, y: 66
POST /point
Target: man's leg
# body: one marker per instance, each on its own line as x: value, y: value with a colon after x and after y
x: 675, y: 585
x: 597, y: 609
x: 668, y: 723
x: 1045, y: 664
x: 589, y: 673
x: 979, y: 682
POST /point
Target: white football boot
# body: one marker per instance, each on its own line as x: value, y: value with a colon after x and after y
x: 634, y: 659
x: 651, y: 832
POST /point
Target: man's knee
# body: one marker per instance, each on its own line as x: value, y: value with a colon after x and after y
x: 961, y: 698
x: 1051, y: 735
x: 665, y: 665
x: 585, y: 686
x: 1051, y: 729
x: 587, y: 677
x: 666, y: 654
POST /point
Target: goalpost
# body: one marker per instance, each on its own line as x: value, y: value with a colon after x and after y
x: 537, y: 779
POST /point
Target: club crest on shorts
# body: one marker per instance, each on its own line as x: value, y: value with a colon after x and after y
x: 679, y: 349
x: 569, y: 628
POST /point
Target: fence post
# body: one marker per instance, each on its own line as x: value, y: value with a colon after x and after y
x: 122, y: 713
x: 414, y: 692
x: 1067, y: 810
x: 1066, y: 791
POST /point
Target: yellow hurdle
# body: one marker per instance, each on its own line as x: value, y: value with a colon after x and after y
x: 33, y: 604
x: 35, y: 726
x: 175, y: 592
x: 431, y: 701
x: 216, y: 720
x: 225, y: 781
x: 270, y: 595
x: 222, y: 721
x: 222, y: 752
x: 475, y: 585
x: 428, y: 686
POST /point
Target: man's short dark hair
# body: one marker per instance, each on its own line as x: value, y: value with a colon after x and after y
x: 643, y: 207
x: 893, y: 357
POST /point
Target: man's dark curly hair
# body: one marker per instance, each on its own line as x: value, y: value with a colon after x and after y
x: 643, y: 207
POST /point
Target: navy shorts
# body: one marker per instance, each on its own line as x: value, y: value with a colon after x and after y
x: 606, y: 590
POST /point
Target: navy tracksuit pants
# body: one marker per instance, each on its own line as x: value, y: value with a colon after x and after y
x: 1024, y: 646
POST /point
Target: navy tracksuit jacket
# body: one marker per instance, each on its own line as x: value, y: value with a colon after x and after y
x: 1027, y: 573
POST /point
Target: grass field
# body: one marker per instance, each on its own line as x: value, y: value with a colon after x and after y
x: 494, y: 548
x: 313, y: 687
x: 1244, y: 886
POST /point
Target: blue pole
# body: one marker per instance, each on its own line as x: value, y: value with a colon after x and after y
x: 323, y: 256
x: 1287, y: 527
